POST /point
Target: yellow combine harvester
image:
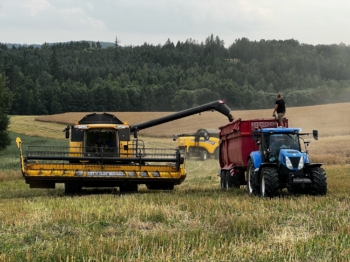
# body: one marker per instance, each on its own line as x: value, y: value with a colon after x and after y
x: 101, y: 153
x: 203, y: 144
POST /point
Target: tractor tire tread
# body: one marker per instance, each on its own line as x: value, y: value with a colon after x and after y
x: 319, y: 181
x: 271, y: 182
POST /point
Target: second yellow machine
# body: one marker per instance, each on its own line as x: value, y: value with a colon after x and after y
x: 203, y: 144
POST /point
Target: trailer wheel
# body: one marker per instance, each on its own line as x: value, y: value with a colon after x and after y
x: 204, y: 155
x: 251, y: 187
x: 224, y: 180
x: 269, y: 184
x: 235, y: 180
x: 319, y: 181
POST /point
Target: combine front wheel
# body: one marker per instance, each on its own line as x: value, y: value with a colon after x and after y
x: 160, y: 186
x: 128, y: 188
x: 71, y: 188
x: 251, y: 187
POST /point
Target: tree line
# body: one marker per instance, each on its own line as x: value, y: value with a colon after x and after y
x: 84, y: 76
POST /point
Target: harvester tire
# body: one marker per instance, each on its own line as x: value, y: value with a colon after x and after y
x: 204, y: 155
x: 128, y: 188
x: 251, y: 187
x: 216, y: 153
x: 71, y: 188
x: 319, y: 181
x: 160, y: 186
x: 269, y: 182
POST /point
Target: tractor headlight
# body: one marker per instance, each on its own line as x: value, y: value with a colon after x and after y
x: 289, y: 163
x: 301, y: 163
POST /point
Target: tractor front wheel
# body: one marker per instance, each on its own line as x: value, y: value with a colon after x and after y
x: 269, y: 184
x: 251, y: 187
x: 319, y: 181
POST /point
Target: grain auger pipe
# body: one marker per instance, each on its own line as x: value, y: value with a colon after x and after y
x: 218, y: 105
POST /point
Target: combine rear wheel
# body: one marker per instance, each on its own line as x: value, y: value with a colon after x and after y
x: 269, y: 184
x: 204, y: 155
x: 319, y: 181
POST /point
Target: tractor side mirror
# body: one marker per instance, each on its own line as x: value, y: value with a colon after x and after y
x: 315, y: 134
x: 174, y: 137
x: 256, y: 135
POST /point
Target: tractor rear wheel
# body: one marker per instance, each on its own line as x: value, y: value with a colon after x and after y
x: 269, y: 184
x: 319, y: 181
x: 251, y: 187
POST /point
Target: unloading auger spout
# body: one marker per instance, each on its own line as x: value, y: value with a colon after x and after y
x: 218, y: 105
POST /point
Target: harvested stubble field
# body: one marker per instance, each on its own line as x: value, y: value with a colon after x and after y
x: 196, y: 221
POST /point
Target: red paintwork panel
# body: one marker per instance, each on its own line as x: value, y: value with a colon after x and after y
x: 236, y: 141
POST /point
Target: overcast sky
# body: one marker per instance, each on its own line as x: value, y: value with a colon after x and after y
x: 135, y: 22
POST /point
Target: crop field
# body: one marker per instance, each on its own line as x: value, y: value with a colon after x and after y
x: 197, y: 221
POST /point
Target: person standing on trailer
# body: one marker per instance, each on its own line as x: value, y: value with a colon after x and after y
x: 280, y: 108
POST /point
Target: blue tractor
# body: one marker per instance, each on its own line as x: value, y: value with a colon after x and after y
x: 281, y: 163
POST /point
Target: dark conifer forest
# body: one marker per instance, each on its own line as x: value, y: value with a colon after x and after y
x: 85, y: 76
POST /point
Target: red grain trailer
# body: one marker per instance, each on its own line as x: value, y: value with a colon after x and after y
x: 236, y: 143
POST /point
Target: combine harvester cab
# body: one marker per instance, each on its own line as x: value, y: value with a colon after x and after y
x: 101, y: 153
x: 267, y: 158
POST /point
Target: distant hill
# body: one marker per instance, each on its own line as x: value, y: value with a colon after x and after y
x: 16, y: 45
